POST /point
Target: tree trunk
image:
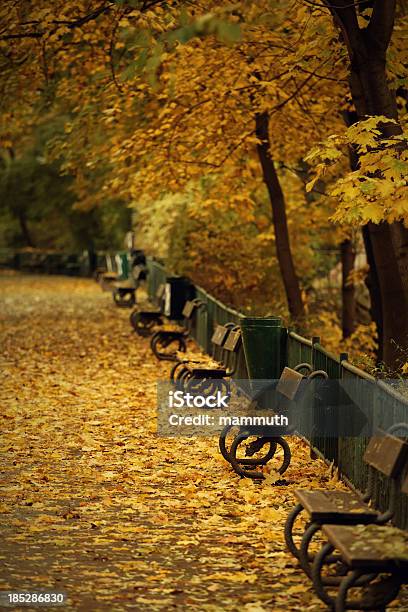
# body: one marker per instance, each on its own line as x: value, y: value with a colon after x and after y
x: 283, y: 251
x: 24, y: 229
x: 348, y: 313
x: 372, y: 283
x: 373, y: 287
x: 389, y: 241
x: 371, y: 96
x: 393, y: 305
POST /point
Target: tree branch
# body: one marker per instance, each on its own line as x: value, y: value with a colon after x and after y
x: 381, y: 23
x: 345, y: 16
x: 77, y: 23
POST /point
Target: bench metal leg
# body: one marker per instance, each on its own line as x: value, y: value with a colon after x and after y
x: 222, y: 442
x: 238, y: 464
x: 177, y: 371
x: 373, y: 599
x: 304, y: 557
x: 124, y: 300
x: 377, y: 593
x: 306, y: 538
x: 144, y: 326
x: 225, y: 452
x: 289, y: 525
x: 159, y: 343
x: 317, y: 578
x: 184, y: 377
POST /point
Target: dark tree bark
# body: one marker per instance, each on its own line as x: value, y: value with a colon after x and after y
x: 283, y: 250
x: 24, y: 229
x: 371, y: 96
x: 373, y: 287
x: 372, y: 282
x: 348, y: 313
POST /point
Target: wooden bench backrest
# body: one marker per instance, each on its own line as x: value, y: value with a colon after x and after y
x: 386, y: 453
x: 289, y: 383
x: 233, y: 341
x: 219, y: 335
x: 188, y: 309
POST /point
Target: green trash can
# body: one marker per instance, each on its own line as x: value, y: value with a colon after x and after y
x: 261, y: 339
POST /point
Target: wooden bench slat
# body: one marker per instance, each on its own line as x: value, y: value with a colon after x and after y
x: 130, y: 285
x: 207, y: 372
x: 289, y: 383
x: 109, y: 276
x: 386, y: 453
x: 219, y: 335
x: 150, y: 314
x: 188, y: 309
x: 335, y: 506
x: 370, y: 546
x: 233, y: 341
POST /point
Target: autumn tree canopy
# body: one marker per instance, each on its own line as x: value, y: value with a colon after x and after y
x: 252, y: 139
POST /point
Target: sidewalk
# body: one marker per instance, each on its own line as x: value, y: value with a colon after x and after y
x: 94, y: 503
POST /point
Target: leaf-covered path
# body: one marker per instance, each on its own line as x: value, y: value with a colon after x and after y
x: 94, y: 503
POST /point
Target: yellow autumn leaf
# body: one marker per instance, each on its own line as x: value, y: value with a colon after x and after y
x: 271, y: 515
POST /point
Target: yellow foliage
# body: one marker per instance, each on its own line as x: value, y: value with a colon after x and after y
x: 378, y: 190
x: 360, y: 346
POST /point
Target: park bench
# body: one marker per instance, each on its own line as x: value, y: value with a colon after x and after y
x: 372, y: 557
x: 107, y: 278
x: 289, y: 388
x: 385, y: 454
x: 138, y: 265
x: 192, y: 372
x: 171, y: 339
x: 124, y: 292
x: 145, y: 321
x: 170, y: 299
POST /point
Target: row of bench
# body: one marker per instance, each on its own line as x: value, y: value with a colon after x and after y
x: 363, y: 560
